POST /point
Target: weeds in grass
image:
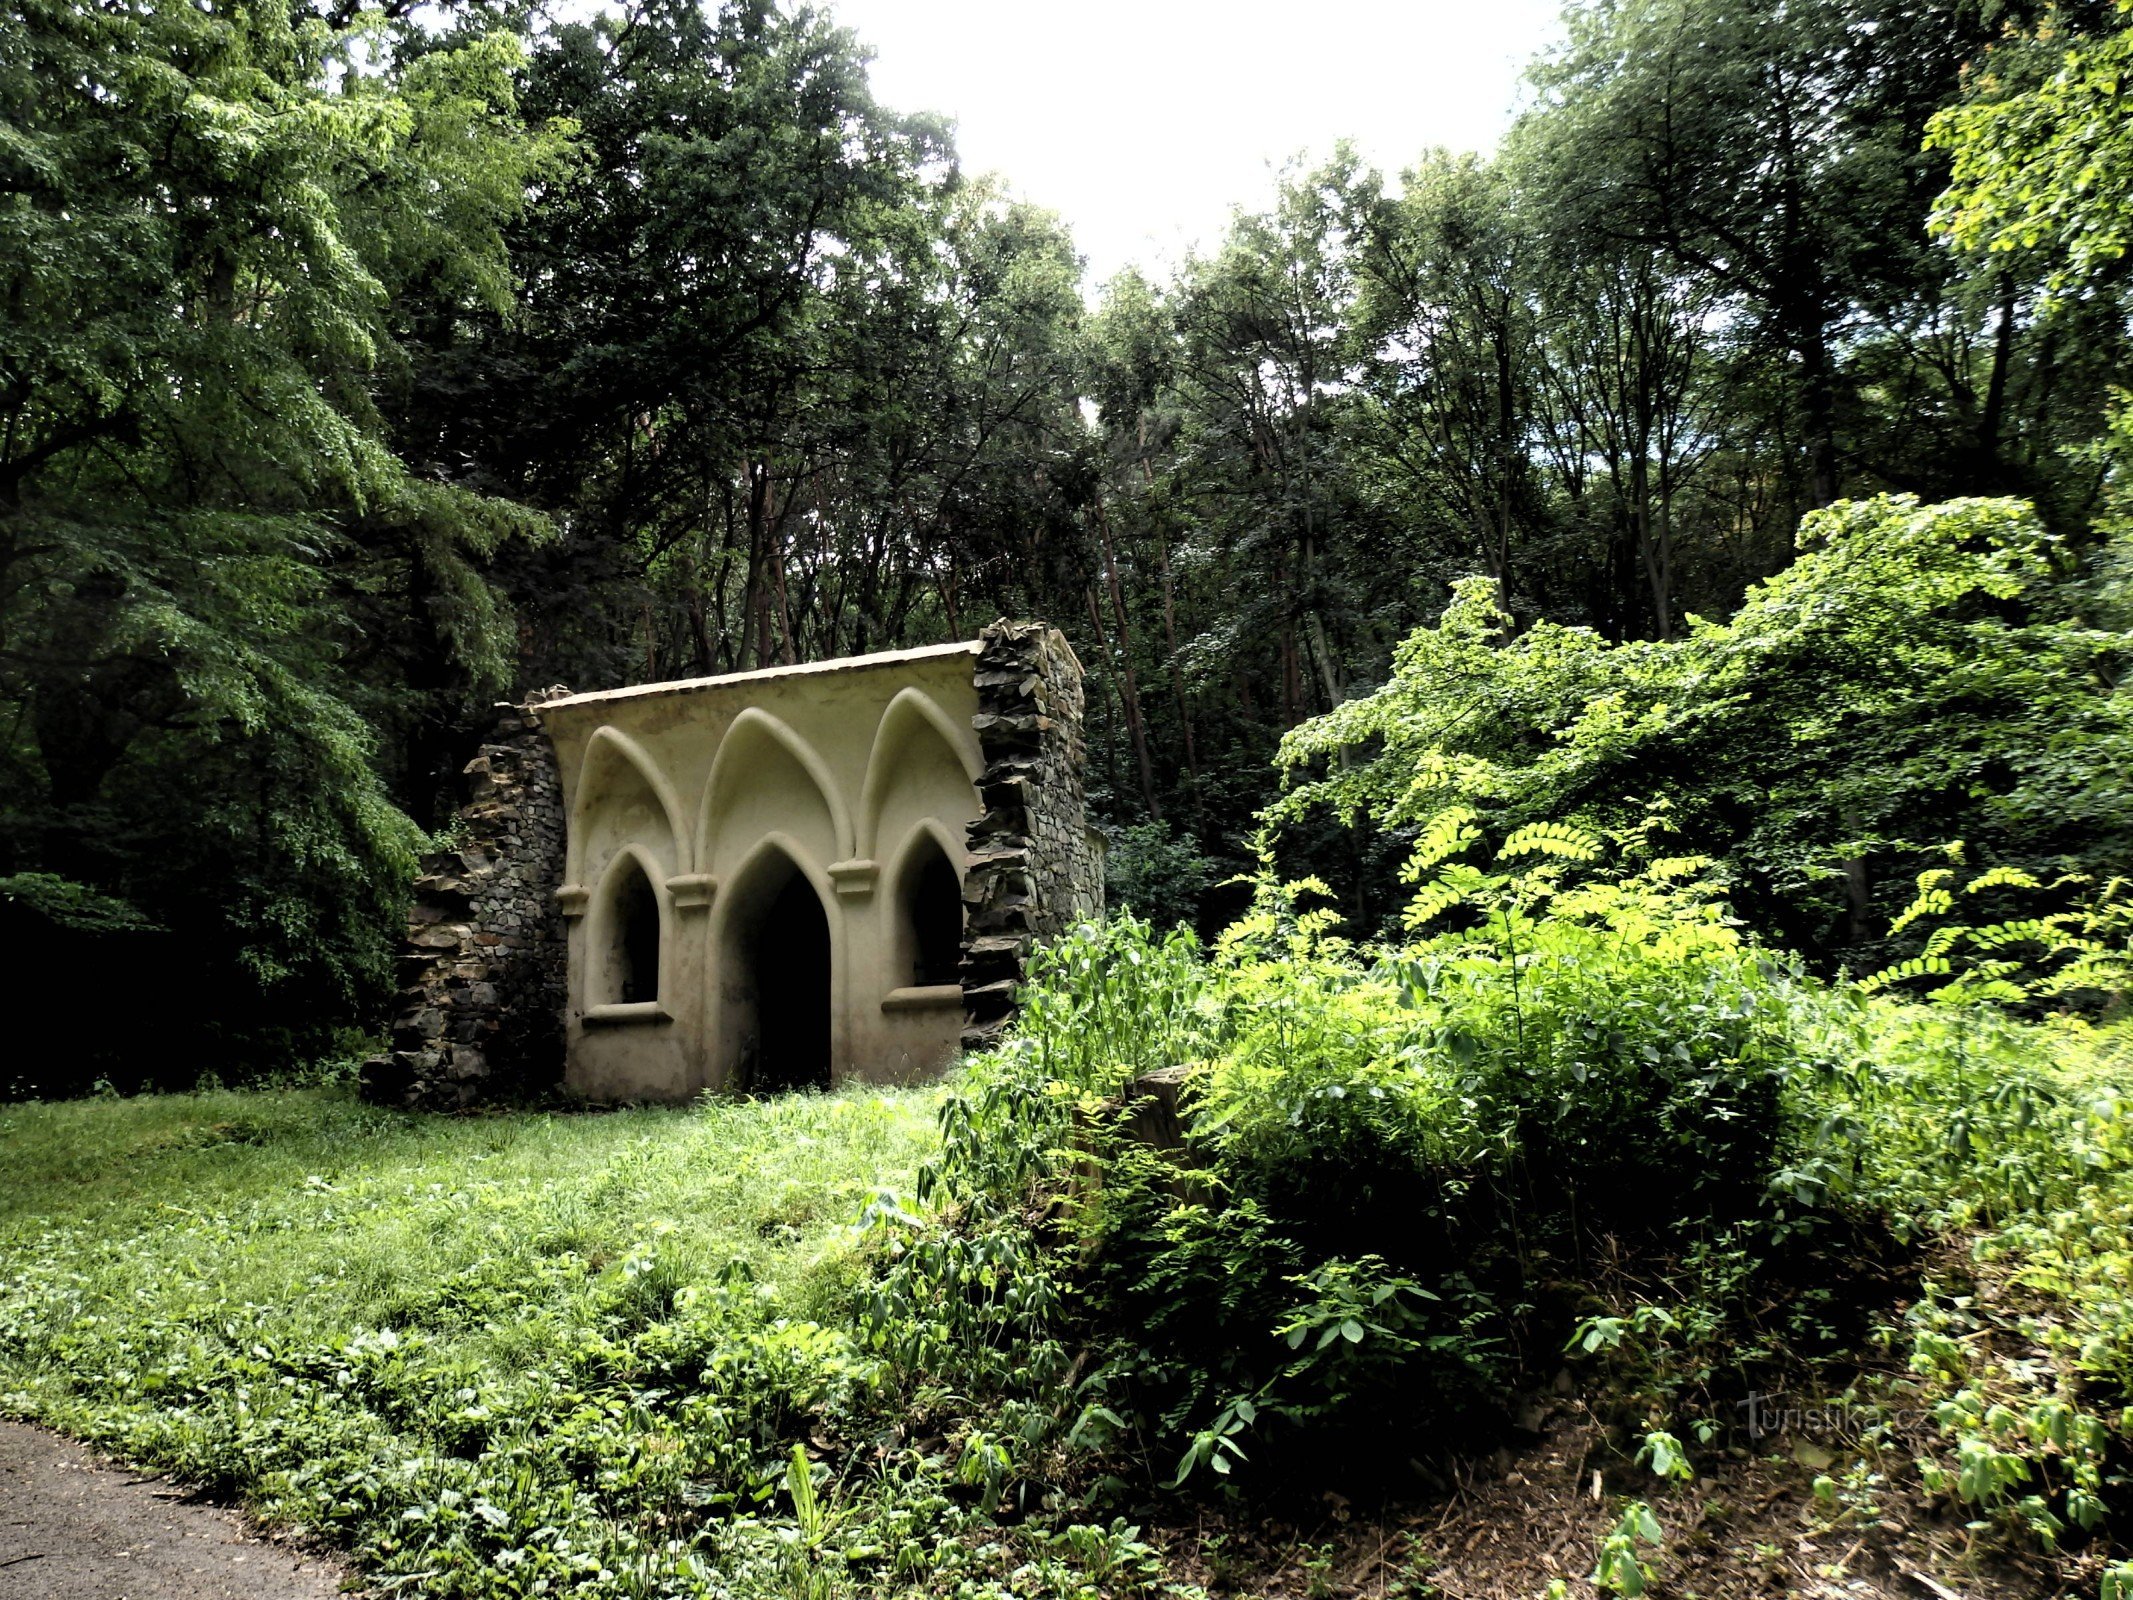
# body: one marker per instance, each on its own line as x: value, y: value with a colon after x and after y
x: 934, y: 1343
x: 510, y: 1355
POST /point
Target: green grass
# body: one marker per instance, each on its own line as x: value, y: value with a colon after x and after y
x: 654, y: 1353
x: 262, y: 1194
x: 509, y: 1354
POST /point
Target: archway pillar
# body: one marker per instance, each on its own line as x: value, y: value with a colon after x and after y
x: 855, y: 880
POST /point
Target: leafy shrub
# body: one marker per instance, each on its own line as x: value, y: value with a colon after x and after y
x: 1921, y: 673
x: 2080, y: 956
x: 1104, y: 1004
x: 1957, y: 1121
x: 1392, y: 1155
x: 1155, y: 872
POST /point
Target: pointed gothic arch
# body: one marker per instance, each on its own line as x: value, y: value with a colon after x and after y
x: 609, y: 750
x: 776, y: 960
x: 630, y: 933
x: 822, y: 834
x: 757, y: 730
x: 924, y: 908
x: 912, y: 717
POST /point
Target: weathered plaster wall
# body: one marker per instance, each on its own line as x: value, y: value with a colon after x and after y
x: 1036, y: 864
x: 481, y: 1005
x: 846, y: 774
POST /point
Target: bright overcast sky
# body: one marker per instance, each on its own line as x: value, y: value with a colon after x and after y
x: 1142, y: 122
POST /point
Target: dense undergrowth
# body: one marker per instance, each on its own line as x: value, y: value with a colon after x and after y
x: 518, y: 1354
x: 1592, y: 1125
x: 994, y: 1341
x: 799, y: 1347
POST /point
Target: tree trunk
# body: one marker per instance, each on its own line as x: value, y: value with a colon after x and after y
x: 755, y: 601
x: 1170, y: 644
x: 1128, y: 691
x: 1993, y: 472
x: 1819, y: 397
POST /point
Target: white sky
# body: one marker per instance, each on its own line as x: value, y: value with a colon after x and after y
x: 1142, y: 122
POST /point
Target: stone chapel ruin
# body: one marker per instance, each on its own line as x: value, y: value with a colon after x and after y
x: 771, y: 880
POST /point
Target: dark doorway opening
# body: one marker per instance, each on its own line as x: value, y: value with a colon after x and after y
x: 636, y: 968
x: 934, y: 902
x: 791, y: 958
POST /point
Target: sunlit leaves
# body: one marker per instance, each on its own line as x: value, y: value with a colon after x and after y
x: 1912, y: 678
x: 2046, y: 170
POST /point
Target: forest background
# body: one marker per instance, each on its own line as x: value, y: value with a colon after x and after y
x: 362, y: 367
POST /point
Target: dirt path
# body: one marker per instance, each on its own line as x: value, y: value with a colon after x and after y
x: 76, y: 1528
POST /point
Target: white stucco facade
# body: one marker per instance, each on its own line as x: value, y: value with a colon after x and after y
x: 762, y: 879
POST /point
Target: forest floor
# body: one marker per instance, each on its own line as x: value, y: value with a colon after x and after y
x: 1511, y: 1525
x: 73, y: 1527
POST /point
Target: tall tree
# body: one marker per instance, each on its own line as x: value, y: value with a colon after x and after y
x: 205, y: 215
x: 1448, y: 334
x: 1772, y: 150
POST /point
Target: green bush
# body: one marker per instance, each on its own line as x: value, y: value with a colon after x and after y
x: 1155, y: 872
x: 1393, y: 1155
x: 1921, y: 674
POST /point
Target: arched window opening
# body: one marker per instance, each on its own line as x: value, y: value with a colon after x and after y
x: 633, y: 963
x: 789, y: 955
x: 933, y: 912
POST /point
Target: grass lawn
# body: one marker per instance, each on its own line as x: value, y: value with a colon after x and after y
x: 510, y: 1354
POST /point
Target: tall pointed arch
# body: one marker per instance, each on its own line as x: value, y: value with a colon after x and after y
x: 774, y: 931
x: 922, y: 909
x: 912, y: 718
x: 628, y: 954
x: 611, y: 754
x: 757, y: 737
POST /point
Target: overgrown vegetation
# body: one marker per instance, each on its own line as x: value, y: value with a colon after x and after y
x: 1712, y: 1014
x: 1920, y: 675
x: 511, y: 1355
x: 1593, y: 1125
x: 796, y: 1346
x: 358, y: 366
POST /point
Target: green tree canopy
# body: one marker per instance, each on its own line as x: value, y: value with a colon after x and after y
x: 207, y: 216
x: 2046, y: 168
x: 1921, y: 675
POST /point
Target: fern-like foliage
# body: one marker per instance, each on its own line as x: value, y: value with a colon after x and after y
x: 1673, y: 905
x: 1557, y: 839
x: 1449, y: 833
x: 2081, y: 955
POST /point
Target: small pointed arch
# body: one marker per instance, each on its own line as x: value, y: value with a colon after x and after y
x: 912, y: 718
x: 773, y: 855
x: 622, y: 797
x: 629, y: 933
x: 925, y: 907
x: 774, y: 962
x: 748, y: 760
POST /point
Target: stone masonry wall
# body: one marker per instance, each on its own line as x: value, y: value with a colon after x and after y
x: 482, y: 994
x: 1036, y: 867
